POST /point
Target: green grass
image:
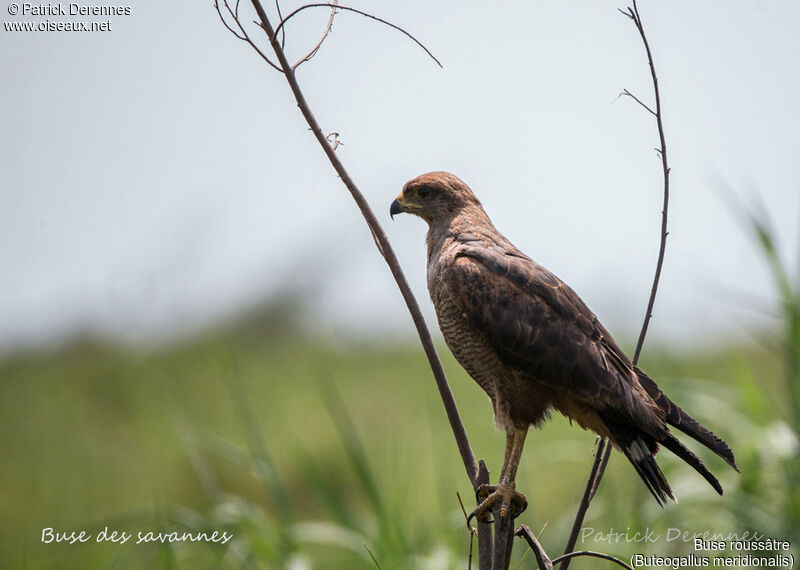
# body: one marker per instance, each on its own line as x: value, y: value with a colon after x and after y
x: 337, y: 456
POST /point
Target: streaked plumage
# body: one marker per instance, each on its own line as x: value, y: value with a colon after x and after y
x: 533, y: 345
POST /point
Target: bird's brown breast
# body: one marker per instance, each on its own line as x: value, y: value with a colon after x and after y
x: 517, y: 400
x: 465, y: 342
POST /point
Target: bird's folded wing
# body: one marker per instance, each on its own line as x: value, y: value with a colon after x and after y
x: 538, y: 325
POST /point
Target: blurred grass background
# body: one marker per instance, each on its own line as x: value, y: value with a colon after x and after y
x: 324, y: 453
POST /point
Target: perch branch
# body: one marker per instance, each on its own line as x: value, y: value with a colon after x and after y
x: 476, y: 475
x: 601, y: 459
x: 485, y: 543
x: 384, y: 247
x: 503, y: 540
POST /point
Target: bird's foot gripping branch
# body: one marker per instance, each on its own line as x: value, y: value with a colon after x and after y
x: 512, y: 502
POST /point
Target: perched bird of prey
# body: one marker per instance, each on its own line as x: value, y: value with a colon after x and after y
x: 533, y: 345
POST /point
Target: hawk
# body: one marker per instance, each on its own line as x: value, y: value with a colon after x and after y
x: 534, y: 346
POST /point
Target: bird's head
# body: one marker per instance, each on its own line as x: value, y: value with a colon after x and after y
x: 436, y: 197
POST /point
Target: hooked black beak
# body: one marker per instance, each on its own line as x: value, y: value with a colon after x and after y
x: 395, y: 208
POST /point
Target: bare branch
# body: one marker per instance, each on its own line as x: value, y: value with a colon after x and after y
x: 601, y: 459
x: 485, y: 544
x: 472, y: 530
x: 503, y: 539
x: 280, y: 17
x: 261, y: 53
x: 635, y: 98
x: 365, y: 14
x: 384, y: 247
x: 628, y: 12
x: 524, y: 531
x: 325, y: 33
x: 244, y: 35
x: 570, y: 555
x: 634, y: 14
x: 601, y: 470
x: 588, y: 494
x: 225, y: 22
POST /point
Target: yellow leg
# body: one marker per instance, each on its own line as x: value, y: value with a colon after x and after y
x: 505, y: 491
x: 509, y: 450
x: 511, y: 462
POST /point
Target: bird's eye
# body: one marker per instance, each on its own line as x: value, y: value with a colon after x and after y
x: 423, y: 192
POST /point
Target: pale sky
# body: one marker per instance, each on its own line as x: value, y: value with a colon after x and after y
x: 159, y: 176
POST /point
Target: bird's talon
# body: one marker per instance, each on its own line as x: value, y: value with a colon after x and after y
x: 483, y: 491
x: 488, y: 495
x: 523, y: 505
x: 480, y: 517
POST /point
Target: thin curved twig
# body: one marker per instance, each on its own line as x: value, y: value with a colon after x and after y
x: 325, y: 33
x: 662, y: 151
x: 365, y: 14
x: 601, y: 460
x: 245, y: 37
x: 225, y: 22
x: 280, y: 17
x: 591, y: 553
x: 472, y: 530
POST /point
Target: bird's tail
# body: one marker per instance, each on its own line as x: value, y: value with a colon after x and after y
x: 676, y: 417
x: 642, y: 457
x: 640, y: 449
x: 676, y: 447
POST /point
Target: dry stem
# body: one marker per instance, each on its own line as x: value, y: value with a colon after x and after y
x: 601, y: 459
